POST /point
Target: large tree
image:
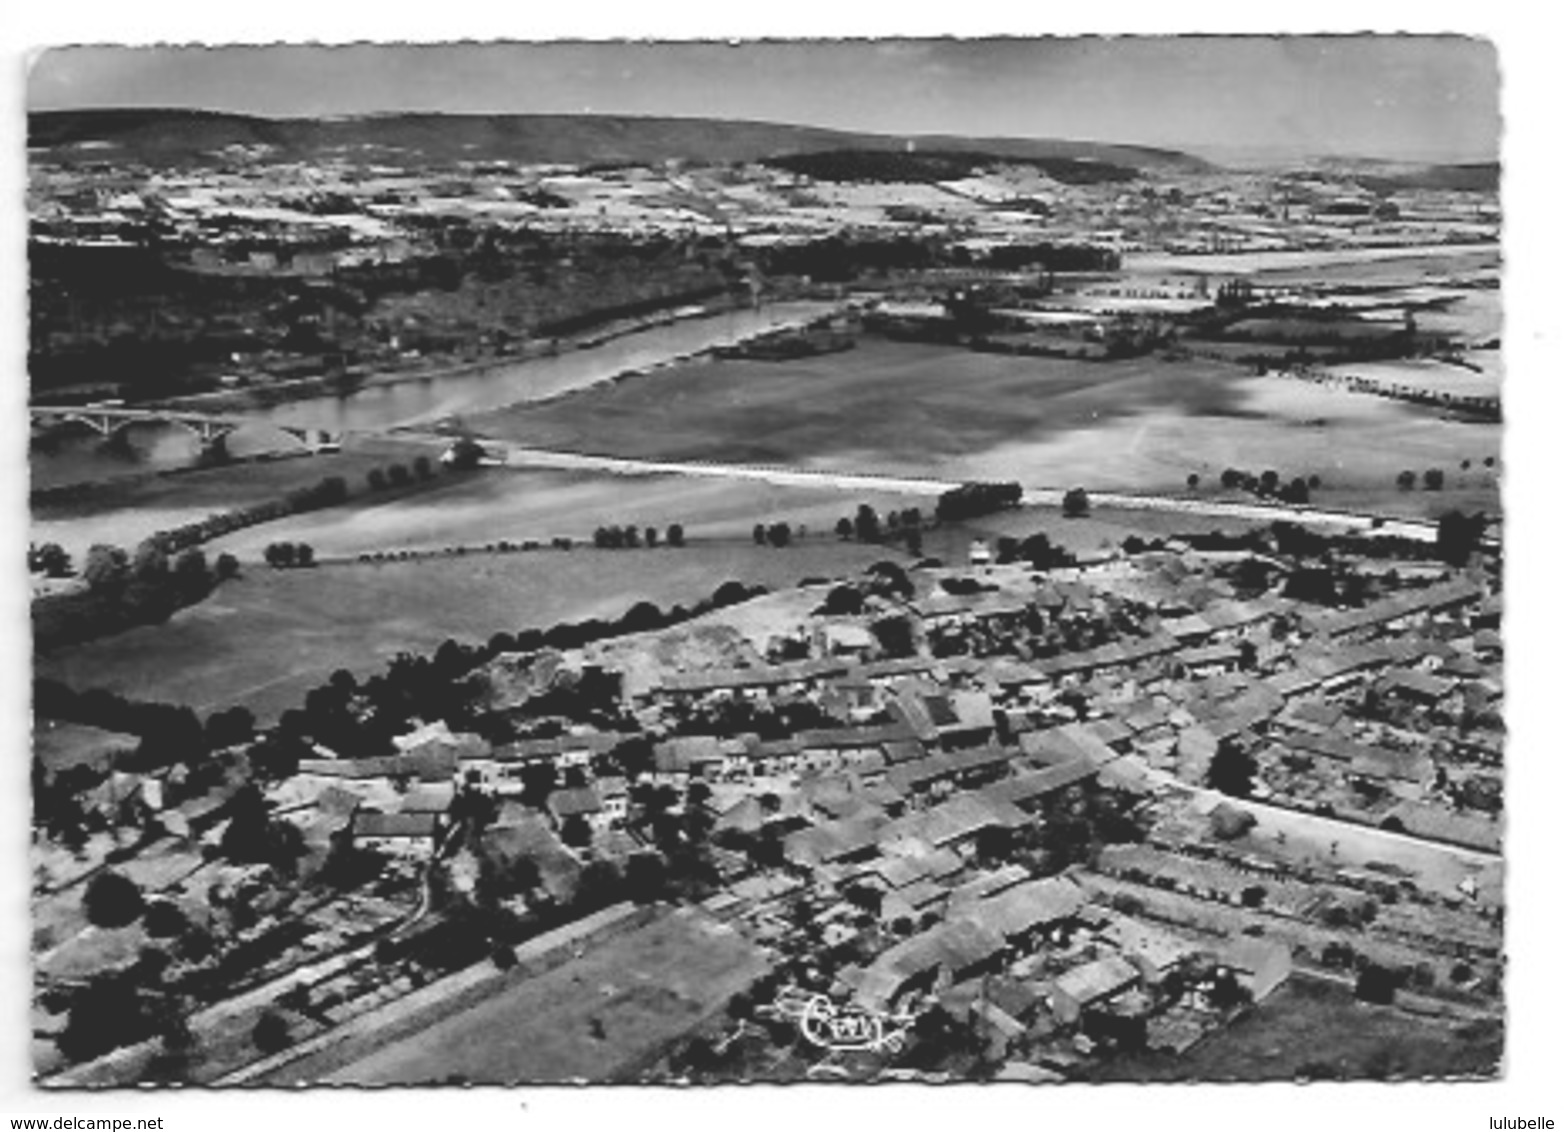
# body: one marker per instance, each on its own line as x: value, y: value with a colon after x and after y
x: 112, y: 900
x: 1232, y: 770
x: 107, y: 568
x: 50, y: 559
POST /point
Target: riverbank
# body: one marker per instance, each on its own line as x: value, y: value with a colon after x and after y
x: 80, y: 491
x: 336, y: 385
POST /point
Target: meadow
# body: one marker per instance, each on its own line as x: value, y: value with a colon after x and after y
x: 592, y: 1018
x: 1143, y: 424
x: 125, y: 510
x: 537, y: 504
x: 1432, y: 376
x: 885, y: 406
x: 1349, y: 263
x: 270, y: 636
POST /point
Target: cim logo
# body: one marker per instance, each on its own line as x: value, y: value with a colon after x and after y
x: 842, y: 1027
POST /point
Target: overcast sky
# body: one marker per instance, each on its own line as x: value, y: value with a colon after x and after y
x: 1411, y: 97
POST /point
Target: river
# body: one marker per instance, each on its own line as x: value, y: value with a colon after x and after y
x: 409, y: 402
x: 380, y: 406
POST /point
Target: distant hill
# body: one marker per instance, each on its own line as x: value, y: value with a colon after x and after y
x: 930, y: 165
x: 1476, y: 177
x: 158, y: 138
x: 1381, y: 175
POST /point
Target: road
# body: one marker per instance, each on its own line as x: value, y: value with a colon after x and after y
x: 1437, y: 867
x: 522, y: 456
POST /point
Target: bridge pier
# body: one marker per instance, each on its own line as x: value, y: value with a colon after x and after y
x: 116, y: 440
x: 214, y: 448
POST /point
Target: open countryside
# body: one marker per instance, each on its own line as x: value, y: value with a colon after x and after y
x: 531, y: 599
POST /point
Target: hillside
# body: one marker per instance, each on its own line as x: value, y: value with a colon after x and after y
x: 160, y: 137
x: 1476, y: 177
x: 927, y: 166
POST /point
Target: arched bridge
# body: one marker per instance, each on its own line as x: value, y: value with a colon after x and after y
x: 209, y: 428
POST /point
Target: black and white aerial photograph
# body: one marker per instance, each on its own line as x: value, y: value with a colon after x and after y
x: 667, y: 561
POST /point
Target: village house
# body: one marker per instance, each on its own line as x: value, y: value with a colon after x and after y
x: 1026, y: 915
x: 925, y: 964
x: 1157, y: 953
x: 682, y: 757
x: 1210, y: 660
x: 755, y: 684
x: 427, y: 798
x: 857, y: 748
x: 579, y: 801
x: 1090, y: 985
x: 1416, y: 686
x: 614, y: 793
x: 398, y: 835
x: 501, y: 770
x: 847, y: 640
x: 1260, y: 965
x: 1030, y: 791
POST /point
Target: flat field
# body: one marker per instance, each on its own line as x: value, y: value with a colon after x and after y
x: 590, y: 1019
x: 517, y: 505
x: 124, y: 512
x: 267, y: 638
x: 897, y: 408
x: 1429, y: 375
x: 1351, y: 263
x: 1477, y: 317
x: 1356, y: 443
x: 884, y: 406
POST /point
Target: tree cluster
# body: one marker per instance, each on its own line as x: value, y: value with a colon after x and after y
x: 50, y: 559
x: 971, y: 500
x: 124, y: 590
x: 465, y: 455
x: 400, y: 475
x: 1433, y: 480
x: 630, y: 537
x: 290, y: 555
x: 1037, y: 550
x: 1459, y: 536
x: 777, y: 535
x: 867, y: 525
x: 1269, y: 485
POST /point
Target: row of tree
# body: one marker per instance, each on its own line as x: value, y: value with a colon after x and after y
x: 359, y: 718
x: 630, y: 537
x: 289, y: 555
x: 399, y: 475
x: 777, y: 534
x: 1433, y: 479
x: 328, y: 492
x: 502, y: 546
x: 1267, y: 485
x: 867, y: 525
